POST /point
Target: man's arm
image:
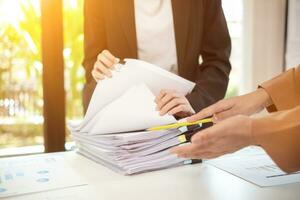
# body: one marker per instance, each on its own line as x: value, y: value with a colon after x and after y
x: 94, y: 34
x: 94, y: 43
x: 213, y: 74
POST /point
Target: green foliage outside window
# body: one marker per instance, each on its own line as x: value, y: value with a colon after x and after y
x: 21, y: 95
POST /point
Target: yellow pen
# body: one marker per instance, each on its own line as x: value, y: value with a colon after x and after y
x: 180, y: 124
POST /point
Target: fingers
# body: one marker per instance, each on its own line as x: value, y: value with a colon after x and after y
x: 165, y: 97
x: 178, y: 109
x: 97, y: 76
x: 202, y: 145
x: 227, y: 136
x: 162, y: 95
x: 224, y: 115
x: 99, y: 68
x: 184, y: 151
x: 206, y: 138
x: 192, y: 151
x: 105, y: 60
x: 111, y: 57
x: 211, y: 110
x: 174, y: 104
x: 103, y: 66
x: 203, y: 113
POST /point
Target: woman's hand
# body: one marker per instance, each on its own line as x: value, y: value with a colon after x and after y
x: 103, y: 66
x: 173, y: 103
x: 242, y: 105
x: 224, y: 137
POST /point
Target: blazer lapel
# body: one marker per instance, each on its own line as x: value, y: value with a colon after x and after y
x: 181, y: 18
x: 125, y: 12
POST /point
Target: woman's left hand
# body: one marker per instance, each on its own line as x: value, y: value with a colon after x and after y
x: 224, y: 137
x: 173, y: 103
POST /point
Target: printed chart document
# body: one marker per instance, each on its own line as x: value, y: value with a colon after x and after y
x: 114, y: 130
x: 85, y: 192
x: 255, y: 166
x: 31, y: 174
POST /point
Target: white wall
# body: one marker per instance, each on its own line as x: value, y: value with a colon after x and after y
x: 264, y: 29
x: 293, y: 36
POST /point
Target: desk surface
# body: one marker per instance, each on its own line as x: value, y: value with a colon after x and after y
x: 200, y: 181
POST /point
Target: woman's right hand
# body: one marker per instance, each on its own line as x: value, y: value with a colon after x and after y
x: 103, y: 66
x: 241, y: 105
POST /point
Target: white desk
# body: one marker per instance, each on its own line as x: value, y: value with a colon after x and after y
x: 201, y: 182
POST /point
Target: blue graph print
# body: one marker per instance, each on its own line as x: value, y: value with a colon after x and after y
x: 2, y: 190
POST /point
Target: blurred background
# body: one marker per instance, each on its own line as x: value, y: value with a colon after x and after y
x: 21, y: 92
x: 258, y: 30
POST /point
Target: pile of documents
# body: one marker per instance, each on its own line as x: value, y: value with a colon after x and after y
x: 114, y: 129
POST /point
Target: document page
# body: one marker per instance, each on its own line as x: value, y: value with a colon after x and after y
x: 114, y: 129
x: 125, y: 77
x: 255, y: 166
x: 134, y: 110
x: 85, y: 192
x: 31, y: 174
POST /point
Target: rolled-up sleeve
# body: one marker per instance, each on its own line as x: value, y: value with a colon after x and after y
x: 279, y: 132
x: 284, y: 90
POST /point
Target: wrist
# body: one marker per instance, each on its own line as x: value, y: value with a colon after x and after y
x: 251, y: 134
x: 263, y: 98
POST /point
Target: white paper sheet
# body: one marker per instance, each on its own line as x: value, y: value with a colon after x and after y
x: 254, y: 165
x: 133, y: 73
x: 134, y: 110
x: 85, y: 192
x: 122, y: 105
x: 127, y: 143
x: 160, y: 163
x: 24, y: 175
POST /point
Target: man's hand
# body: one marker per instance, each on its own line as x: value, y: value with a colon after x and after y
x: 242, y: 105
x: 103, y: 66
x: 173, y: 103
x: 224, y: 137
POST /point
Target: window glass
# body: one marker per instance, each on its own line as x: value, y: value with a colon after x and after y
x: 73, y: 56
x: 233, y: 10
x: 21, y: 99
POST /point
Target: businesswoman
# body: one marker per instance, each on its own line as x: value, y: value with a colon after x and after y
x: 278, y: 133
x: 169, y: 33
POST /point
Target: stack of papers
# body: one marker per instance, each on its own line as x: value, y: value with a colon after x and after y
x: 113, y: 131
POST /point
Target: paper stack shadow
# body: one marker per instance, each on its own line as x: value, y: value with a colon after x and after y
x: 114, y: 129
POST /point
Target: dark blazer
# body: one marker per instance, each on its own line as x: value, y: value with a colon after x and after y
x: 200, y: 29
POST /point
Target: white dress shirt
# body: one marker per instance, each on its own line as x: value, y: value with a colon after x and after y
x: 155, y: 33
